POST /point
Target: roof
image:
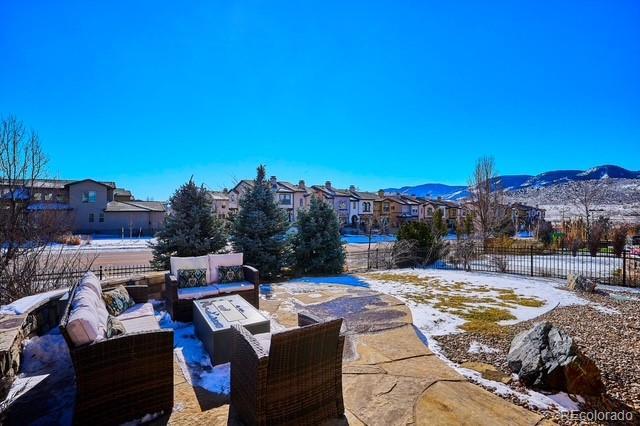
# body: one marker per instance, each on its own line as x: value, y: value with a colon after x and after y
x: 135, y: 206
x: 54, y: 183
x: 122, y: 191
x: 218, y: 195
x: 365, y: 195
x: 107, y: 184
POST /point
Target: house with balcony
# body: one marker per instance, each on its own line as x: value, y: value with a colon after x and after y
x: 289, y: 197
x: 361, y: 208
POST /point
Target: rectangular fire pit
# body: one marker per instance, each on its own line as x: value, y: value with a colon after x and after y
x: 212, y: 320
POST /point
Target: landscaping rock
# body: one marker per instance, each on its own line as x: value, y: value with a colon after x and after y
x: 546, y: 358
x: 579, y: 283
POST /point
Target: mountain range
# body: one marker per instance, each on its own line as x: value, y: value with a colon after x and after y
x: 518, y: 182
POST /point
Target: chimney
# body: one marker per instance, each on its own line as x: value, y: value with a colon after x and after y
x: 327, y: 184
x: 439, y: 198
x: 352, y: 188
x: 225, y: 191
x: 301, y: 184
x: 381, y: 193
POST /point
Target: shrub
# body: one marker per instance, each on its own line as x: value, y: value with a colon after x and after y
x: 500, y: 262
x: 428, y: 242
x: 619, y: 239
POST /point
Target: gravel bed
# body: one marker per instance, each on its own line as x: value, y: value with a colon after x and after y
x: 612, y: 340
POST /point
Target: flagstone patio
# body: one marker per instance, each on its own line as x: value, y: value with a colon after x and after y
x: 389, y: 374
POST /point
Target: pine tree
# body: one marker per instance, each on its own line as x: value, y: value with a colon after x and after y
x: 259, y: 227
x: 439, y: 226
x: 191, y: 229
x: 317, y: 246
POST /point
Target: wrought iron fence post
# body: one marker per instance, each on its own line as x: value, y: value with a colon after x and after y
x: 100, y: 272
x: 531, y: 256
x: 377, y: 257
x: 624, y: 267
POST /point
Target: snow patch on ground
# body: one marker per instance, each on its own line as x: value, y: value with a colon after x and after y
x: 434, y: 322
x: 605, y: 310
x: 194, y: 360
x: 364, y: 239
x: 24, y: 305
x: 48, y: 356
x: 476, y: 347
x: 108, y: 244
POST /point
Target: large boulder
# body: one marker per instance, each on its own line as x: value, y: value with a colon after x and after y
x: 547, y: 358
x: 577, y: 282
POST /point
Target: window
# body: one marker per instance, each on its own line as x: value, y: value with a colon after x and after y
x: 284, y: 199
x: 91, y: 217
x: 385, y: 207
x: 354, y: 205
x: 60, y: 198
x: 48, y: 197
x: 101, y: 217
x: 37, y: 196
x: 366, y: 207
x: 301, y: 202
x: 342, y: 205
x: 89, y: 197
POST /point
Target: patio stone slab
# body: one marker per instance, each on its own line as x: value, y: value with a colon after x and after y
x: 462, y: 403
x: 389, y: 376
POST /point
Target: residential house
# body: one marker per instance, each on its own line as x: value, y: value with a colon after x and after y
x: 220, y: 202
x: 526, y: 218
x: 338, y: 198
x: 391, y: 211
x: 361, y: 205
x: 93, y: 207
x: 289, y: 197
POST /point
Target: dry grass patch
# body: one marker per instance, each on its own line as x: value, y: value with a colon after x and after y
x: 516, y: 299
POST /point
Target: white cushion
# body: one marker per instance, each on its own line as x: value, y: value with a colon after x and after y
x: 91, y: 281
x: 136, y: 311
x: 134, y: 325
x: 198, y: 262
x: 86, y: 296
x: 197, y: 292
x: 215, y: 260
x: 83, y: 327
x: 237, y: 286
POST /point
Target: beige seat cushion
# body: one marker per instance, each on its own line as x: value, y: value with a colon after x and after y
x: 198, y: 292
x: 87, y: 321
x: 139, y: 324
x: 229, y: 259
x: 237, y: 286
x: 136, y: 311
x: 197, y: 262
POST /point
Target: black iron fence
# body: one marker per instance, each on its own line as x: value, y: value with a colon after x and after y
x: 604, y: 267
x: 103, y: 272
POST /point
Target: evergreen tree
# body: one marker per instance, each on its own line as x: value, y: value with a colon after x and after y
x: 317, y: 246
x: 428, y: 242
x: 439, y: 225
x: 191, y: 229
x: 259, y: 227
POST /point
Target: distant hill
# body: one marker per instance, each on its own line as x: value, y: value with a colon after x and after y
x: 518, y: 182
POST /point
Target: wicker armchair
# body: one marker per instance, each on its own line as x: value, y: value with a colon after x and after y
x: 298, y: 380
x: 182, y: 309
x: 124, y: 377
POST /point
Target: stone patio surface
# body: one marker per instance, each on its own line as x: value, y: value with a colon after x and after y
x: 390, y: 377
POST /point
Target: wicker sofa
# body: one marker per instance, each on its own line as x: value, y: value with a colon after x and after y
x: 120, y: 378
x: 288, y: 378
x: 180, y: 300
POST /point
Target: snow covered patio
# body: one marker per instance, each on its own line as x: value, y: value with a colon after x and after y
x: 390, y: 375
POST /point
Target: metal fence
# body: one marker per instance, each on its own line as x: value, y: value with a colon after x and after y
x: 604, y: 267
x: 103, y: 272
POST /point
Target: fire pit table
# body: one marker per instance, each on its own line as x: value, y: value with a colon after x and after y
x: 212, y: 320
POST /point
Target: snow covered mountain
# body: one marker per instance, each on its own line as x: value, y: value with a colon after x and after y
x: 519, y: 182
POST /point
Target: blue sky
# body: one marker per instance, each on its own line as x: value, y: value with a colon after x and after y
x: 375, y: 94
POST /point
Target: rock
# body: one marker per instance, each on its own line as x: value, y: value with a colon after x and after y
x: 579, y: 283
x: 487, y: 371
x: 546, y: 358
